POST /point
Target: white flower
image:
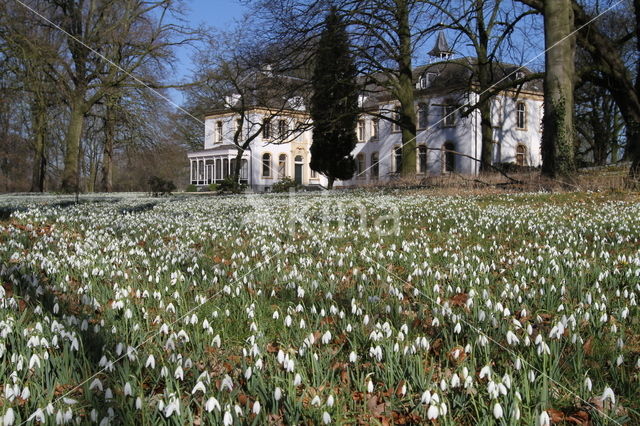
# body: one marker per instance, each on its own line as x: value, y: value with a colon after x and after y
x: 198, y: 387
x: 426, y: 397
x: 432, y: 412
x: 9, y: 417
x: 315, y: 401
x: 326, y: 337
x: 277, y: 394
x: 369, y: 386
x: 227, y: 383
x: 151, y: 362
x: 608, y: 394
x: 256, y: 407
x: 297, y: 380
x: 96, y: 383
x: 497, y: 411
x: 330, y: 401
x: 544, y: 419
x: 127, y: 389
x: 227, y: 420
x: 326, y: 418
x: 485, y: 371
x: 353, y: 357
x: 588, y: 384
x: 212, y: 404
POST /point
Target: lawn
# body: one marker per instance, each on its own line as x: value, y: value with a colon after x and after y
x: 359, y: 308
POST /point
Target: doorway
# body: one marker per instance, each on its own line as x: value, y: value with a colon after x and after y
x: 298, y: 169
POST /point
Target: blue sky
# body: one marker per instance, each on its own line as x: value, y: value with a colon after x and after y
x: 213, y: 13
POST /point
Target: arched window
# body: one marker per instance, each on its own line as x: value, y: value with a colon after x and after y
x: 422, y: 159
x: 282, y: 166
x: 266, y: 165
x: 521, y: 155
x: 521, y: 115
x: 360, y: 166
x: 448, y: 157
x: 423, y: 118
x: 375, y: 165
x: 397, y: 159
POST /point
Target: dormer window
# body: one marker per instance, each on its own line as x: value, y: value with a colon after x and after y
x: 520, y: 75
x: 219, y: 131
x: 426, y: 80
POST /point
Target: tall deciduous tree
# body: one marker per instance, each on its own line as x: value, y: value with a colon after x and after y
x: 558, y: 149
x: 334, y: 103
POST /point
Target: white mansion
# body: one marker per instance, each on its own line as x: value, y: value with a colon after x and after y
x: 441, y: 87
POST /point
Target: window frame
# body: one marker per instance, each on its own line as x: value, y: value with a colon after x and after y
x: 219, y: 131
x: 422, y: 167
x: 361, y: 166
x: 375, y: 165
x: 423, y: 115
x: 449, y: 118
x: 397, y: 165
x: 521, y: 115
x: 522, y: 155
x: 266, y: 156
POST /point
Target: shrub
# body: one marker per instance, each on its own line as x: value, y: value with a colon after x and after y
x: 213, y: 187
x: 284, y: 185
x: 191, y: 188
x: 159, y: 186
x: 229, y: 184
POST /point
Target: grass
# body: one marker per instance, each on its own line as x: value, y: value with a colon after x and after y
x: 231, y: 290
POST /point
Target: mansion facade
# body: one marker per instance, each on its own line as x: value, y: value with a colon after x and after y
x: 280, y: 151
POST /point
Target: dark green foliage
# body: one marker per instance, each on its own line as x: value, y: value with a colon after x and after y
x: 159, y: 186
x: 229, y: 184
x: 284, y: 185
x: 334, y: 104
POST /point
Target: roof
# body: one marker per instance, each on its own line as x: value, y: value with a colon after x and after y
x: 441, y: 47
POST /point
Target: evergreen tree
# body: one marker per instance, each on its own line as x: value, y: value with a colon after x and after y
x: 334, y: 104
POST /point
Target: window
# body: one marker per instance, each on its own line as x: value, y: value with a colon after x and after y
x: 519, y: 75
x: 375, y: 165
x: 266, y: 129
x: 426, y: 80
x: 449, y: 115
x: 521, y: 155
x: 521, y: 115
x: 233, y: 167
x: 266, y: 165
x: 282, y: 128
x: 201, y: 170
x: 360, y: 130
x: 244, y: 170
x: 397, y: 159
x: 282, y: 166
x: 423, y: 120
x: 448, y: 157
x: 360, y: 166
x: 395, y: 126
x: 194, y: 171
x: 422, y: 159
x: 375, y: 128
x: 218, y: 169
x: 225, y: 168
x: 314, y: 174
x: 219, y: 131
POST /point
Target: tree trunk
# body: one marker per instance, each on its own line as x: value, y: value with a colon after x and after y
x: 330, y: 181
x: 70, y: 177
x: 405, y: 91
x: 484, y: 81
x: 39, y: 156
x: 557, y: 138
x: 109, y: 142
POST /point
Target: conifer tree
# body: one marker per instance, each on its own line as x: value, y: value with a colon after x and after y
x: 334, y: 103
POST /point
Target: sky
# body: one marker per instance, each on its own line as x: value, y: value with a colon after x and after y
x: 212, y: 13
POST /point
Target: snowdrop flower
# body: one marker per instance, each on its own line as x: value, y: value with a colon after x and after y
x: 426, y: 397
x: 247, y: 373
x: 326, y: 418
x: 38, y: 416
x: 369, y: 386
x: 198, y: 387
x: 588, y: 384
x: 212, y: 404
x: 127, y: 389
x: 608, y: 394
x: 227, y: 383
x: 485, y: 371
x: 151, y: 362
x: 179, y: 373
x: 277, y: 394
x: 227, y: 420
x: 256, y: 408
x: 432, y: 412
x: 326, y: 337
x: 96, y: 383
x: 497, y: 411
x: 330, y: 401
x: 9, y: 417
x: 544, y: 419
x: 353, y: 357
x: 315, y: 401
x: 297, y: 380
